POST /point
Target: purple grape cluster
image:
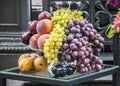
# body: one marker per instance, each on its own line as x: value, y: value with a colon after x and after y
x: 83, y: 45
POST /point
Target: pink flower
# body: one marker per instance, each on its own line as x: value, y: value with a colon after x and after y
x: 113, y: 2
x: 117, y: 20
x: 117, y: 23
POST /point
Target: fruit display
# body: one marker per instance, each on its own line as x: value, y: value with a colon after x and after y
x: 60, y: 19
x: 82, y: 45
x: 27, y: 62
x: 64, y: 37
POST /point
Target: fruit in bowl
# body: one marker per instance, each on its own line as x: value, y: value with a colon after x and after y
x: 33, y: 41
x: 41, y: 40
x: 26, y: 37
x: 44, y: 15
x: 44, y: 26
x: 40, y: 63
x: 26, y: 65
x: 30, y: 61
x: 32, y: 27
x: 66, y: 37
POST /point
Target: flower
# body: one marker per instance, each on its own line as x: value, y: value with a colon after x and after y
x: 117, y: 23
x: 117, y: 20
x: 113, y: 2
x: 115, y: 27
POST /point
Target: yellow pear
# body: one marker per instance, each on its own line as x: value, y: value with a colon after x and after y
x: 34, y: 55
x: 23, y: 56
x: 40, y: 63
x: 26, y: 64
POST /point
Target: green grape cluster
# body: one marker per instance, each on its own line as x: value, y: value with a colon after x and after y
x: 63, y: 15
x: 53, y: 44
x: 60, y: 19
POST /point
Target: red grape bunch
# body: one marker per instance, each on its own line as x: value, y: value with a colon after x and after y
x: 82, y: 45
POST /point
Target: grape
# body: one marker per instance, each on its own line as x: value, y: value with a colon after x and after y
x: 97, y: 54
x: 82, y: 44
x: 90, y: 25
x: 83, y: 49
x: 76, y: 22
x: 89, y: 49
x: 99, y: 61
x: 77, y: 35
x: 65, y: 46
x: 98, y: 67
x: 86, y: 69
x: 85, y: 38
x: 96, y: 50
x: 95, y: 31
x: 81, y: 65
x: 85, y: 21
x: 96, y: 42
x: 95, y: 58
x: 67, y: 51
x: 86, y: 33
x: 89, y: 68
x: 101, y: 39
x: 68, y: 58
x: 74, y: 54
x: 86, y: 53
x: 78, y: 26
x: 70, y: 24
x: 79, y: 45
x: 75, y: 41
x: 77, y: 30
x: 67, y: 32
x: 73, y: 46
x: 65, y: 40
x: 81, y: 23
x: 70, y: 37
x: 81, y: 54
x: 73, y: 30
x: 97, y: 35
x: 100, y: 45
x: 91, y: 34
x: 86, y: 61
x: 93, y: 66
x: 82, y: 70
x: 79, y: 62
x: 82, y: 29
x: 88, y: 29
x: 81, y: 39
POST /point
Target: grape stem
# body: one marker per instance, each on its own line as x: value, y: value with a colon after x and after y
x: 90, y: 44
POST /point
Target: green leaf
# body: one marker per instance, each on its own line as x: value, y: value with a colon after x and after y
x: 109, y: 32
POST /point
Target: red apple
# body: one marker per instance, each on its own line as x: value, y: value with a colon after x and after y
x: 44, y: 26
x: 32, y: 26
x: 41, y: 40
x: 44, y: 15
x: 26, y: 37
x: 33, y: 41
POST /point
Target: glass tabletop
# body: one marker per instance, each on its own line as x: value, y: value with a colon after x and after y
x: 45, y: 75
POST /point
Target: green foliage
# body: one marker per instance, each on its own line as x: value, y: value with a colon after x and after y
x: 109, y: 32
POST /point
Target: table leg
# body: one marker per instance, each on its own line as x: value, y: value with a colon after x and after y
x: 2, y: 81
x: 116, y: 79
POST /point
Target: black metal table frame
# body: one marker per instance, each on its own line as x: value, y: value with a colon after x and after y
x: 7, y: 74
